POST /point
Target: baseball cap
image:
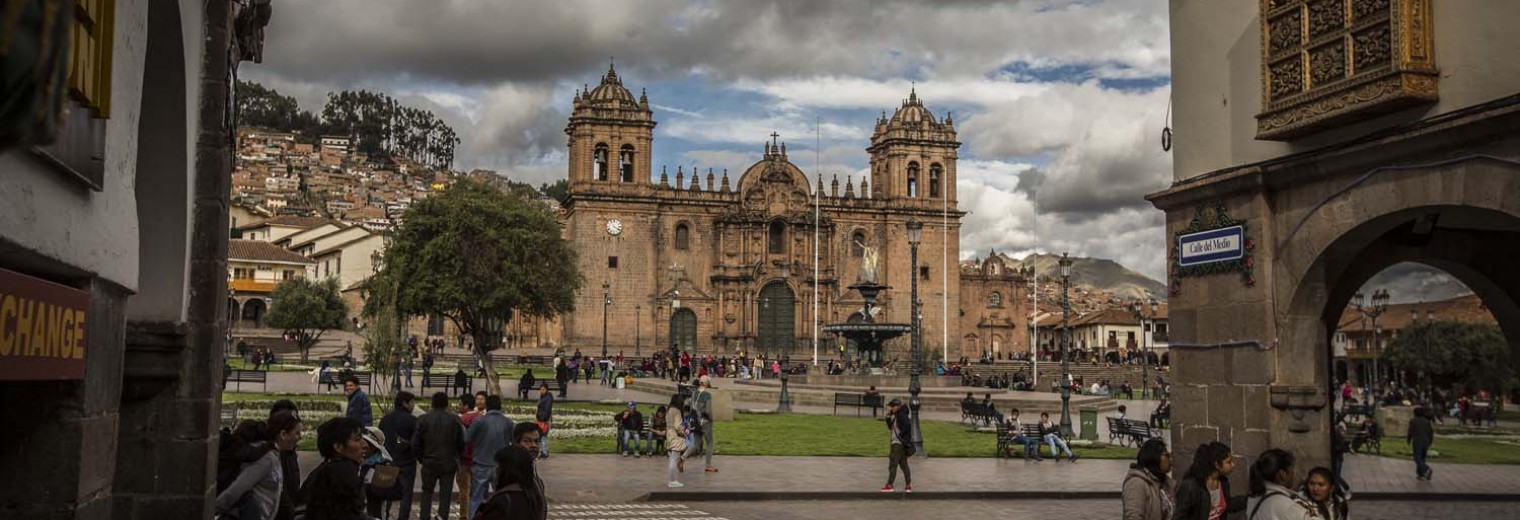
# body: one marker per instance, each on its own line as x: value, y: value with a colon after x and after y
x: 895, y: 402
x: 632, y: 404
x: 376, y: 440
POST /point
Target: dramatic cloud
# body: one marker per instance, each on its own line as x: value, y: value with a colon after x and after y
x: 1409, y: 283
x: 1058, y: 102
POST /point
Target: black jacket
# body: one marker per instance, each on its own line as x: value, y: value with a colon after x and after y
x: 334, y: 491
x: 290, y: 486
x: 901, y: 424
x: 438, y: 441
x: 399, y: 425
x: 1193, y: 500
x: 631, y: 420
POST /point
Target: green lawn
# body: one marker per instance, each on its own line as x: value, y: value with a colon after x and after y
x: 823, y: 435
x: 1467, y: 449
x: 240, y: 364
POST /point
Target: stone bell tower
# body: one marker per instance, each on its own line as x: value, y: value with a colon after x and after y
x: 913, y: 155
x: 610, y: 137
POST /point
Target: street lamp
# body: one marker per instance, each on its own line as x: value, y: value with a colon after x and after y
x: 1145, y: 351
x: 606, y: 302
x: 1065, y: 344
x: 638, y: 315
x: 1378, y: 306
x: 1034, y: 329
x: 915, y: 234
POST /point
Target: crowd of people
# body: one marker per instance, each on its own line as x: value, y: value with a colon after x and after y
x: 1275, y: 491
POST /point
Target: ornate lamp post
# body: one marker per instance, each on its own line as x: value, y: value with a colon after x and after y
x: 1065, y: 342
x: 1379, y: 305
x: 606, y: 302
x: 915, y: 234
x: 1145, y: 351
x: 1034, y: 329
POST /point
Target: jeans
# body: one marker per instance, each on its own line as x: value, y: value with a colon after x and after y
x: 1031, y: 446
x: 407, y: 477
x: 651, y: 441
x: 1420, y: 452
x: 630, y: 441
x: 675, y: 458
x: 462, y: 479
x: 1055, y: 441
x: 543, y: 445
x: 481, y: 476
x: 898, y: 457
x: 444, y: 481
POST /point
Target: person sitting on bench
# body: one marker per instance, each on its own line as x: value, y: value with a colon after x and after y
x: 525, y: 384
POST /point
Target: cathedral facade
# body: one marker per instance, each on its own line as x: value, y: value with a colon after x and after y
x: 718, y: 264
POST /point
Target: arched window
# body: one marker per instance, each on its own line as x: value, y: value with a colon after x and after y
x: 913, y: 180
x: 599, y: 162
x: 683, y: 237
x: 857, y: 244
x: 777, y: 236
x: 996, y: 300
x: 625, y: 163
x: 934, y: 176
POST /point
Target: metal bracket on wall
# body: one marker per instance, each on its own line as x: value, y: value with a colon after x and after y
x: 1298, y: 400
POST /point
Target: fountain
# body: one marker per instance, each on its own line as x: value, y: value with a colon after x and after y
x: 866, y: 333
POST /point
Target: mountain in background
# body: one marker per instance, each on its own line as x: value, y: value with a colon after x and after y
x: 1100, y: 273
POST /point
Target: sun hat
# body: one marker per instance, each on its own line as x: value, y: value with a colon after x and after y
x: 376, y: 440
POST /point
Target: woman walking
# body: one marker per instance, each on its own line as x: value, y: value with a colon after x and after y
x: 1272, y: 496
x: 1204, y: 492
x: 1328, y: 496
x: 1147, y: 487
x: 675, y: 438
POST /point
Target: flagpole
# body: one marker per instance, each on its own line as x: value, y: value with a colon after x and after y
x: 817, y: 141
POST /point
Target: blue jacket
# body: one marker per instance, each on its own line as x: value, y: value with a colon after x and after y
x: 545, y: 407
x: 358, y: 408
x: 490, y: 433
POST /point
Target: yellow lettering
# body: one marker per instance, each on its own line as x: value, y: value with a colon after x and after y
x: 39, y: 329
x: 7, y: 330
x: 79, y: 335
x: 54, y: 331
x: 24, y: 328
x: 66, y: 335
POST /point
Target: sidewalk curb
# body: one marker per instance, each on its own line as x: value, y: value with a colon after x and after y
x: 713, y: 496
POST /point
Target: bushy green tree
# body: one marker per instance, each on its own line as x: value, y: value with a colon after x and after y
x: 1472, y: 355
x: 479, y: 256
x: 307, y: 309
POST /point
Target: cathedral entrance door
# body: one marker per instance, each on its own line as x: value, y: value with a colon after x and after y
x: 683, y: 330
x: 778, y: 309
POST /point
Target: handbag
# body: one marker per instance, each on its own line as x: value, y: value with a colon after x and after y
x: 384, y: 482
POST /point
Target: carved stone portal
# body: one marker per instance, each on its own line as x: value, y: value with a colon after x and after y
x: 1325, y: 62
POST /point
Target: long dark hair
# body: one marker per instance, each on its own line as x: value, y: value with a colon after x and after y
x: 1206, y: 461
x: 1266, y: 468
x: 514, y: 465
x: 1149, y: 459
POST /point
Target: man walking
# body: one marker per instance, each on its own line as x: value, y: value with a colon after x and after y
x: 399, y: 426
x: 562, y: 375
x: 437, y: 443
x: 545, y: 416
x: 1420, y: 436
x: 490, y: 433
x: 358, y: 402
x: 899, y: 431
x: 701, y: 408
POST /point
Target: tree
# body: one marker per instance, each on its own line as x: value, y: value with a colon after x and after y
x: 1475, y: 356
x: 479, y: 256
x: 558, y: 190
x: 259, y: 106
x: 307, y: 309
x: 383, y: 345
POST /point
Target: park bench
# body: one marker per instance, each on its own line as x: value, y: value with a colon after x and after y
x: 1360, y: 411
x: 444, y: 381
x: 874, y: 402
x: 336, y: 378
x: 1162, y: 419
x: 977, y: 413
x: 1362, y: 440
x: 1128, y: 431
x: 229, y: 415
x: 643, y: 438
x: 248, y: 376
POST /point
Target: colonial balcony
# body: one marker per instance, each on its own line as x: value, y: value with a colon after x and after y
x: 249, y: 285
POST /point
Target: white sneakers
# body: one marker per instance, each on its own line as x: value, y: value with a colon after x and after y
x: 675, y: 484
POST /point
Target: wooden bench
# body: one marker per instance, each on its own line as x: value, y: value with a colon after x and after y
x: 1361, y: 440
x: 248, y: 376
x: 444, y: 381
x: 874, y: 402
x: 336, y: 378
x: 1128, y: 432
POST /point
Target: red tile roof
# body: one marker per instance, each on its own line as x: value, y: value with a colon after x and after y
x: 261, y: 251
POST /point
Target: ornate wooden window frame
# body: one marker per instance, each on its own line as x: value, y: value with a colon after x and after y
x: 1325, y: 62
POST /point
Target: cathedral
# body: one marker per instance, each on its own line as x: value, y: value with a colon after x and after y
x: 713, y: 264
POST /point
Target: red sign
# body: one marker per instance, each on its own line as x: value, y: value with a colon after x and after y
x: 42, y: 329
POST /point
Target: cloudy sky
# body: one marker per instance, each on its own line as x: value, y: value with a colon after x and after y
x: 1059, y: 103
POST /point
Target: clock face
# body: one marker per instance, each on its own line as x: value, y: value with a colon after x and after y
x: 614, y: 227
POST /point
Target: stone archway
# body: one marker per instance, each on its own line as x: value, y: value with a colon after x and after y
x: 777, y: 318
x: 253, y: 312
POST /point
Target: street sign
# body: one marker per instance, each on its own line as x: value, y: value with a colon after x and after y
x: 42, y: 329
x: 1207, y: 247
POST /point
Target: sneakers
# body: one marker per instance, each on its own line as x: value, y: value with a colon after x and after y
x: 1074, y: 457
x: 887, y: 488
x: 711, y: 469
x: 908, y: 488
x: 675, y: 484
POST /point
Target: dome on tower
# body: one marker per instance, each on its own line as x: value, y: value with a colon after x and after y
x: 611, y: 92
x: 913, y: 111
